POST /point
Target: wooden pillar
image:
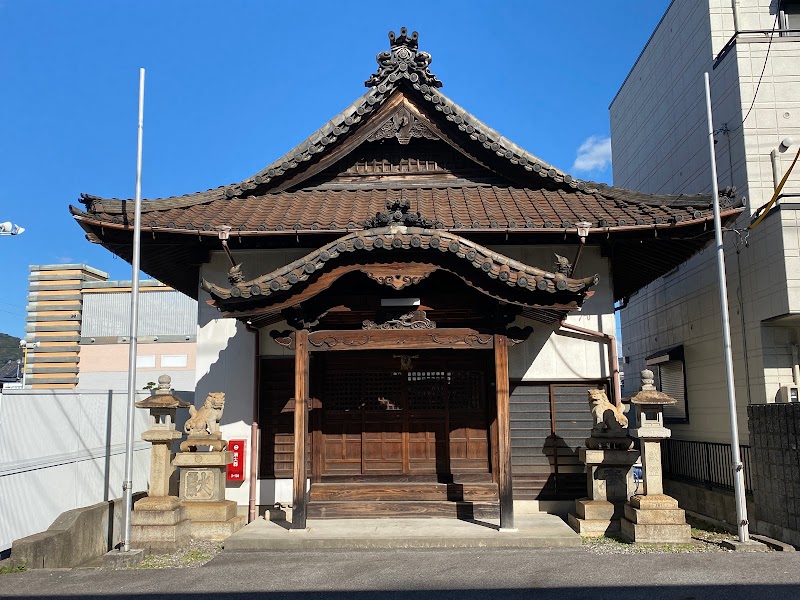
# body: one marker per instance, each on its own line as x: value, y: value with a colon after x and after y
x: 503, y: 432
x: 300, y: 428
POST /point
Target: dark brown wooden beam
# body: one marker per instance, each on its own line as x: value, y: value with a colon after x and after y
x: 301, y: 382
x: 398, y: 339
x: 503, y: 432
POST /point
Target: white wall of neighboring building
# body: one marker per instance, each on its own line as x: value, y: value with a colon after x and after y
x: 225, y: 349
x: 61, y: 450
x: 660, y: 145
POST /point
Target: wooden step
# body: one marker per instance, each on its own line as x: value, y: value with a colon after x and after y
x: 399, y: 509
x: 432, y: 478
x: 453, y: 492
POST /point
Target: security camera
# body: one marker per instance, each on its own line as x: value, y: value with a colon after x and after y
x: 786, y: 143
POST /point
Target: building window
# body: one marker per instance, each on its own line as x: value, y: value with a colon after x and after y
x: 670, y: 376
x: 790, y: 15
x: 174, y: 360
x: 146, y: 361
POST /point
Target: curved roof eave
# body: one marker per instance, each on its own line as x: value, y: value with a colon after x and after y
x: 492, y: 265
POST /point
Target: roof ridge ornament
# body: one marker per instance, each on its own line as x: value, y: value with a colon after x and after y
x: 398, y: 213
x: 403, y: 60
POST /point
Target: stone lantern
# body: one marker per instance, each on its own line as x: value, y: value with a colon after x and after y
x: 653, y: 517
x: 158, y: 522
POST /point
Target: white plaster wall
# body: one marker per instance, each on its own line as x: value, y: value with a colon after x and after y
x: 225, y: 361
x: 549, y: 356
x: 665, y: 150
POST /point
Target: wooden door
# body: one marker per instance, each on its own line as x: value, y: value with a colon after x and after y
x: 380, y: 420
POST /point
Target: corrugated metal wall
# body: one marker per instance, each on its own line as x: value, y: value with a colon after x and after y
x: 160, y: 313
x: 60, y: 450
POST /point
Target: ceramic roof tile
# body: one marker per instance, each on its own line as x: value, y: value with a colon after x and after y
x: 477, y: 206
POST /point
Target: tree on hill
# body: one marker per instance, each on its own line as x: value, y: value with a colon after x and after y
x: 9, y: 348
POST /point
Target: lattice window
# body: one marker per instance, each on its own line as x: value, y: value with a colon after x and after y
x: 427, y: 390
x: 381, y: 390
x: 467, y: 390
x: 342, y: 390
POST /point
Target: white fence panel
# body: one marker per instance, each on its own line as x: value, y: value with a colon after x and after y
x: 59, y: 450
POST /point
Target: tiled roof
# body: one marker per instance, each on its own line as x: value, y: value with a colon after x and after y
x: 407, y: 67
x: 475, y: 206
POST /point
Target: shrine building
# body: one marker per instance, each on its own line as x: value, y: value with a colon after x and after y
x: 437, y: 298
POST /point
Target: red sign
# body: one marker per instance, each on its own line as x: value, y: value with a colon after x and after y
x: 236, y: 468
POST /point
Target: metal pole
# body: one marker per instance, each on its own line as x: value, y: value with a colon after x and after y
x: 24, y: 363
x: 127, y: 484
x: 738, y: 471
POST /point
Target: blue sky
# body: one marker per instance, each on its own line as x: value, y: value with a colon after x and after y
x: 233, y: 85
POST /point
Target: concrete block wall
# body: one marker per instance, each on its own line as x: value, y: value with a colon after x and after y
x: 715, y: 505
x: 775, y: 458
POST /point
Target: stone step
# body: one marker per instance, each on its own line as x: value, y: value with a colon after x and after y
x: 217, y: 531
x: 656, y: 534
x: 592, y: 527
x: 664, y: 516
x: 210, y: 511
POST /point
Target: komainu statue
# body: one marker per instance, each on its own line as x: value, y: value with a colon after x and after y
x: 608, y: 418
x: 206, y: 420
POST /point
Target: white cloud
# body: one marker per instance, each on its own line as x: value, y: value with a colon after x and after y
x: 64, y: 259
x: 593, y: 155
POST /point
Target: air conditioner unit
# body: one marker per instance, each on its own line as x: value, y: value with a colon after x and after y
x: 788, y: 393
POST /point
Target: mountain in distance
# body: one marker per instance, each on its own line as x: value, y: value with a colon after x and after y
x: 9, y: 348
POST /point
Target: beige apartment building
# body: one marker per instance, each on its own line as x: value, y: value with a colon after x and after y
x: 660, y: 145
x: 79, y: 322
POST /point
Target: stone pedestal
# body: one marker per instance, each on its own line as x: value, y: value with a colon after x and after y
x: 202, y: 494
x: 655, y: 519
x: 609, y: 482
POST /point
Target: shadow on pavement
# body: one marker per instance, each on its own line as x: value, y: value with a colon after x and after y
x: 640, y: 592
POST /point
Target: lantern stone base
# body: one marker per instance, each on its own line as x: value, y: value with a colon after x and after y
x: 158, y: 524
x: 655, y: 519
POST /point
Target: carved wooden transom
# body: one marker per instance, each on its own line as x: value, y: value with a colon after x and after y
x: 396, y: 277
x: 403, y: 125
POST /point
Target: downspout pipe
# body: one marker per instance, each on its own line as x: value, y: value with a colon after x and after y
x: 254, y: 429
x: 613, y: 364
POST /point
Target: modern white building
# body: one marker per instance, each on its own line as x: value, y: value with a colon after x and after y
x: 751, y: 50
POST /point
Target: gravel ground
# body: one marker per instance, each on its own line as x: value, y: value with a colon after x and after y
x: 197, y: 554
x: 705, y: 538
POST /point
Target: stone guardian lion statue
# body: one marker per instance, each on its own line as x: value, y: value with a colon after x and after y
x: 205, y: 421
x: 609, y: 419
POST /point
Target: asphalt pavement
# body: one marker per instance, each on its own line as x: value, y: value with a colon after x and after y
x: 441, y: 574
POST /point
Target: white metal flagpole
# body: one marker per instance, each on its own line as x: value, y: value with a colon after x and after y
x: 127, y: 484
x: 738, y: 470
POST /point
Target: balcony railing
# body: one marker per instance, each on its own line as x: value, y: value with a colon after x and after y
x: 756, y: 35
x: 705, y: 463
